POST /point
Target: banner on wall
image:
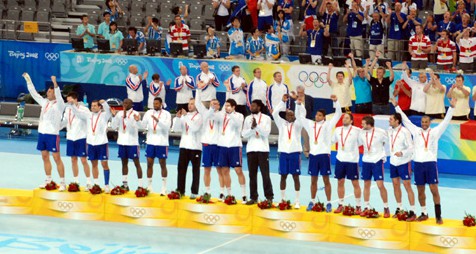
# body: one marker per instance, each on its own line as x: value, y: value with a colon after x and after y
x: 41, y: 60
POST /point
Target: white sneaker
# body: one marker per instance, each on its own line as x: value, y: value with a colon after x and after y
x: 106, y: 189
x: 297, y: 205
x: 62, y: 187
x: 149, y: 188
x: 43, y: 185
x: 163, y: 192
x: 88, y: 187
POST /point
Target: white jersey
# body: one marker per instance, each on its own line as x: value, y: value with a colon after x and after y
x: 230, y: 126
x: 289, y: 140
x: 75, y: 126
x: 134, y: 88
x: 156, y: 90
x: 374, y: 144
x: 257, y: 91
x: 127, y: 127
x: 275, y: 94
x: 320, y: 133
x: 51, y: 111
x: 209, y: 92
x: 237, y: 93
x: 96, y: 124
x: 157, y: 131
x: 400, y: 140
x: 418, y: 102
x: 257, y: 137
x: 189, y: 125
x: 210, y: 133
x: 347, y: 138
x: 426, y: 141
x: 184, y: 86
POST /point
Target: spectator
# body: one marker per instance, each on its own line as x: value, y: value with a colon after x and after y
x: 377, y: 31
x: 113, y: 7
x: 380, y: 87
x: 180, y: 33
x: 310, y: 12
x: 315, y: 39
x: 221, y: 14
x: 86, y: 32
x: 407, y: 6
x: 287, y: 7
x: 435, y: 97
x: 152, y: 30
x: 139, y: 37
x: 168, y: 39
x: 467, y: 50
x: 177, y: 10
x: 418, y: 102
x: 411, y: 23
x: 255, y: 47
x: 341, y: 88
x: 404, y: 93
x: 354, y: 19
x: 272, y: 42
x: 461, y: 92
x: 330, y: 19
x: 447, y: 24
x: 419, y: 46
x: 446, y: 50
x: 115, y: 37
x: 363, y: 93
x: 439, y: 9
x: 265, y: 15
x: 213, y: 43
x: 324, y: 6
x: 276, y: 91
x: 395, y: 35
x: 237, y: 44
x: 465, y: 23
x: 257, y: 89
x: 459, y: 13
x: 429, y: 29
x: 103, y: 28
x: 283, y: 26
x: 381, y: 7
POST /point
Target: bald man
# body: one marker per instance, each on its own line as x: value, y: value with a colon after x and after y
x: 209, y: 83
x: 134, y: 84
x: 183, y: 85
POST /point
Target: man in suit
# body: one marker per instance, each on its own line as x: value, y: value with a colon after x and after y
x: 308, y: 102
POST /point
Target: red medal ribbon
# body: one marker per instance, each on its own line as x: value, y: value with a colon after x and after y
x: 426, y: 139
x: 342, y: 141
x: 186, y: 125
x: 369, y: 145
x: 70, y: 120
x: 396, y: 135
x: 290, y: 130
x: 318, y: 133
x: 225, y: 124
x: 93, y: 127
x: 123, y: 122
x: 156, y: 122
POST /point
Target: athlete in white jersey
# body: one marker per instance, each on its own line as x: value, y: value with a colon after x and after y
x: 237, y: 90
x: 76, y: 137
x: 347, y: 160
x: 52, y: 108
x: 157, y: 89
x: 189, y: 124
x: 230, y: 145
x: 373, y: 139
x: 208, y: 82
x: 96, y: 126
x: 289, y: 147
x: 401, y: 153
x: 209, y: 139
x: 257, y: 90
x: 127, y: 124
x: 425, y: 140
x: 157, y: 121
x: 320, y: 133
x: 184, y: 86
x: 134, y: 84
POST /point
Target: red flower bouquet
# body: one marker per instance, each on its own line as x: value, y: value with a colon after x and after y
x: 141, y: 192
x: 318, y: 207
x: 230, y: 200
x: 51, y: 186
x: 118, y: 191
x: 402, y: 215
x: 372, y: 214
x: 95, y: 190
x: 284, y: 205
x: 265, y: 204
x: 348, y: 210
x: 174, y: 195
x: 469, y: 220
x: 73, y: 187
x: 205, y: 199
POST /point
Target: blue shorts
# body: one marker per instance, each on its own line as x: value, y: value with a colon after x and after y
x: 129, y: 152
x: 98, y: 153
x: 319, y: 165
x: 262, y: 21
x: 426, y: 173
x: 403, y: 171
x: 372, y: 169
x: 76, y: 148
x: 347, y: 169
x: 48, y: 142
x: 290, y: 163
x: 229, y: 157
x: 210, y: 155
x: 160, y: 152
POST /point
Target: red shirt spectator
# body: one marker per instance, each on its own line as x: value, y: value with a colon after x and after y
x: 180, y: 33
x: 404, y: 93
x: 419, y: 45
x: 446, y: 52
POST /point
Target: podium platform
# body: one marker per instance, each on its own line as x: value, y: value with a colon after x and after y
x: 155, y: 210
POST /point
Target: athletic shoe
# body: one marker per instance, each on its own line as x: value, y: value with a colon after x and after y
x: 329, y: 207
x: 43, y: 185
x: 243, y: 200
x: 439, y: 221
x: 297, y: 205
x: 358, y: 210
x: 62, y: 187
x: 339, y: 209
x: 363, y: 213
x: 411, y: 217
x: 163, y: 193
x: 126, y: 187
x: 222, y: 197
x: 396, y: 213
x: 106, y: 189
x: 422, y: 217
x: 310, y: 206
x: 386, y: 212
x: 149, y: 188
x: 251, y: 202
x: 88, y: 187
x: 193, y: 196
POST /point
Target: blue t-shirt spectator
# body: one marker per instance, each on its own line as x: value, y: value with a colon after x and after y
x: 354, y: 25
x: 363, y: 92
x: 332, y: 21
x: 315, y: 42
x: 411, y: 27
x: 396, y: 28
x: 431, y: 34
x: 376, y: 32
x: 450, y: 26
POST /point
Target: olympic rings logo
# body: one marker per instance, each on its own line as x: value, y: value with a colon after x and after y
x: 65, y: 206
x: 313, y: 77
x: 137, y: 212
x: 121, y: 61
x: 211, y: 218
x: 287, y: 225
x: 224, y: 67
x: 366, y: 233
x: 448, y: 241
x: 51, y: 56
x: 450, y: 80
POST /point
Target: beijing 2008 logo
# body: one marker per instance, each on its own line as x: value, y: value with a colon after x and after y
x: 313, y: 78
x: 121, y: 61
